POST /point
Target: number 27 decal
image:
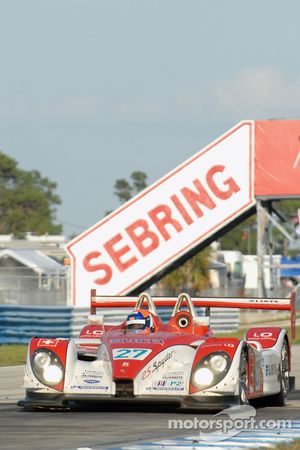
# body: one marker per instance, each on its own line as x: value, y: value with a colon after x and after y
x: 131, y: 353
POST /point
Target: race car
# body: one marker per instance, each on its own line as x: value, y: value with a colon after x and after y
x: 146, y: 360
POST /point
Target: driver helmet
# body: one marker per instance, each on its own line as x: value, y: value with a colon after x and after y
x: 140, y: 321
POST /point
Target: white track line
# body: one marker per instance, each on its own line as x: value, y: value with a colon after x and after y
x: 246, y: 439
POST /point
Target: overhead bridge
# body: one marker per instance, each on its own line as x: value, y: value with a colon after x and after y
x: 187, y: 209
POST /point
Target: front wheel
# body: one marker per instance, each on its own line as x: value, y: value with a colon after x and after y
x: 243, y: 380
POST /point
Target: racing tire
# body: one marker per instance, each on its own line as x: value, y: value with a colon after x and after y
x: 283, y: 376
x: 243, y: 380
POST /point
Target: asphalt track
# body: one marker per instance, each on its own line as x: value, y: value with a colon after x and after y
x: 102, y: 428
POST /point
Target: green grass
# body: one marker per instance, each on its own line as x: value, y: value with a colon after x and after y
x: 12, y: 354
x: 295, y: 445
x: 280, y: 319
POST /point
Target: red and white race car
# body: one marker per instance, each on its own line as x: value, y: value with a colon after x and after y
x: 146, y: 360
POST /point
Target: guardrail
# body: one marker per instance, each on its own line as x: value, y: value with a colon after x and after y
x: 19, y: 323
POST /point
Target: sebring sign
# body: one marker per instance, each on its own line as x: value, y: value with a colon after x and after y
x: 166, y: 220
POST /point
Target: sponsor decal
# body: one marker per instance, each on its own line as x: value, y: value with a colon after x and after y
x: 218, y: 344
x: 92, y: 333
x: 157, y: 365
x: 92, y: 374
x: 264, y: 335
x: 104, y: 388
x: 271, y: 369
x: 264, y: 300
x: 174, y: 376
x: 136, y: 341
x: 131, y: 353
x: 125, y: 364
x: 47, y: 342
x: 146, y: 373
x: 161, y: 363
x: 167, y: 385
x: 91, y: 381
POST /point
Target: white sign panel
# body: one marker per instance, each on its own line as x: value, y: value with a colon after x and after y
x: 167, y: 220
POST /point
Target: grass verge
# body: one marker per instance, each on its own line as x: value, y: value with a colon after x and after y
x: 295, y: 445
x: 13, y: 354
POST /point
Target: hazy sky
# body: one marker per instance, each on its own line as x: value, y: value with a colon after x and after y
x: 91, y: 90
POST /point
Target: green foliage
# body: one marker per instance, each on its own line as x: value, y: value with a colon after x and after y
x: 27, y: 200
x: 287, y: 208
x: 125, y: 190
x: 191, y: 277
x: 139, y: 181
x: 243, y: 236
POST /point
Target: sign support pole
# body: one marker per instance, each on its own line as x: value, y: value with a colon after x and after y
x: 271, y: 249
x: 260, y: 217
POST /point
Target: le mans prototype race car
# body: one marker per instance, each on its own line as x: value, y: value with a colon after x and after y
x: 146, y: 360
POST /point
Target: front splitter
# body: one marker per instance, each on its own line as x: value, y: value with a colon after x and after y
x: 53, y: 400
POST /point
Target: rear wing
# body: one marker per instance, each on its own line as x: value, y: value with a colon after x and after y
x: 279, y: 304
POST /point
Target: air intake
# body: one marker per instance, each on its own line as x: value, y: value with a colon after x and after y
x: 124, y: 388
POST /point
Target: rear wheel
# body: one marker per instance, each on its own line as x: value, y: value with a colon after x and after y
x: 243, y: 380
x: 283, y: 376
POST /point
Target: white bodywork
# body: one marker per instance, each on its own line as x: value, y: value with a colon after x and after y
x: 167, y: 374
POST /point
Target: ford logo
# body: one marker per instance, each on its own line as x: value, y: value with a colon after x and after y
x: 91, y: 381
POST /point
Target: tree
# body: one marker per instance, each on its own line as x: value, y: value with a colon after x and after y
x: 193, y: 275
x: 27, y: 200
x: 125, y: 190
x: 243, y: 236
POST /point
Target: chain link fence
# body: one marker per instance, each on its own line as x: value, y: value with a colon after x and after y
x: 25, y: 288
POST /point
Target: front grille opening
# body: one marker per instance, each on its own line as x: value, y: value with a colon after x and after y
x: 84, y: 356
x: 124, y: 388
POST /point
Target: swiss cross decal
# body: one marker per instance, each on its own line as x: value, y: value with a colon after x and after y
x: 48, y: 342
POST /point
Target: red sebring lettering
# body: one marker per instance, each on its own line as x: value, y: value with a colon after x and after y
x: 181, y: 209
x: 201, y: 196
x: 161, y: 217
x: 144, y: 239
x: 232, y: 186
x: 164, y: 219
x: 89, y: 267
x: 116, y: 255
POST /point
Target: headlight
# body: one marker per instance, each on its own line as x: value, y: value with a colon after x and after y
x: 218, y: 363
x: 53, y: 374
x: 47, y: 367
x: 210, y: 370
x: 203, y: 377
x: 41, y: 359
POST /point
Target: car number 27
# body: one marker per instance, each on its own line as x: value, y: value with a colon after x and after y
x: 131, y: 353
